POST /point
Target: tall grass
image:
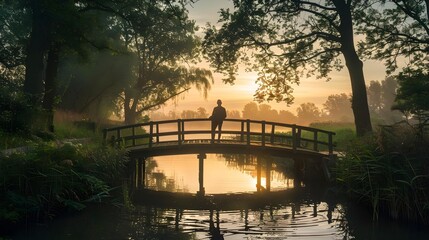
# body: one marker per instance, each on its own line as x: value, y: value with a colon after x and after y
x: 388, y: 173
x: 48, y: 179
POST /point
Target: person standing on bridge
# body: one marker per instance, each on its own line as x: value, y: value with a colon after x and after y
x: 217, y: 117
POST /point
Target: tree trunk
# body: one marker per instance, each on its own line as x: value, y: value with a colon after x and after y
x: 129, y: 111
x: 51, y: 86
x: 355, y: 68
x: 34, y: 67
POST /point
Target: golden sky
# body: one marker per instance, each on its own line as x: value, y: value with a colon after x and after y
x: 236, y: 96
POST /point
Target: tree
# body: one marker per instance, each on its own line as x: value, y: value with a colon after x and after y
x: 44, y: 32
x: 381, y: 98
x: 233, y: 114
x: 401, y: 28
x: 413, y: 92
x: 163, y: 40
x: 287, y: 117
x: 97, y: 83
x: 266, y: 113
x: 251, y: 111
x: 308, y: 113
x: 338, y: 107
x: 374, y: 97
x: 202, y: 113
x: 187, y: 114
x: 287, y: 39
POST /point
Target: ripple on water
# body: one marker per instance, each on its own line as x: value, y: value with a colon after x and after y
x: 275, y: 222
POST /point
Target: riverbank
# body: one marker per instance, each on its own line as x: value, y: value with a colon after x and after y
x: 51, y: 178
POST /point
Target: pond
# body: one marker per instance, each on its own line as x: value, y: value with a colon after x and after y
x: 291, y: 210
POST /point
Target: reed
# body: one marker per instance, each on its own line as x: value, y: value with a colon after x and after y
x: 386, y: 175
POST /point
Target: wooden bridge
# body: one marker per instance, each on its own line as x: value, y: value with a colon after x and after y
x: 184, y: 136
x: 194, y: 136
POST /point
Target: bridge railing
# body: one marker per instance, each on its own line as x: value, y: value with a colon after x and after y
x: 235, y: 131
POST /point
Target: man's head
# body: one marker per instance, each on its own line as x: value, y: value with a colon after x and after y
x: 219, y: 102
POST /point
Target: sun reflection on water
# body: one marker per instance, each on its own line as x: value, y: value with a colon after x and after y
x: 239, y: 174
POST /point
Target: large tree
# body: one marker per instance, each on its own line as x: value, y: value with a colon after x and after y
x: 163, y: 40
x: 43, y: 30
x: 284, y: 40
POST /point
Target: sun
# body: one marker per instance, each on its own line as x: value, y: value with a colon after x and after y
x: 247, y: 82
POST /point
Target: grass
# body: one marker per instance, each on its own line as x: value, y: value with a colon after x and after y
x: 388, y: 173
x: 344, y: 133
x: 49, y: 179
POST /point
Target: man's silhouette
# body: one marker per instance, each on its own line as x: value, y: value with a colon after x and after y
x: 217, y: 117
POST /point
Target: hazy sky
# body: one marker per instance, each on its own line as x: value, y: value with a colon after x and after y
x: 236, y: 96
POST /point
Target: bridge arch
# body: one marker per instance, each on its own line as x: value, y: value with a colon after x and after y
x: 183, y: 136
x: 193, y: 136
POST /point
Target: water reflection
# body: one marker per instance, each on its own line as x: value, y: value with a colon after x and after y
x: 222, y: 174
x: 236, y: 210
x: 278, y: 222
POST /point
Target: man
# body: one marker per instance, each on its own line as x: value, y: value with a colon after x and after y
x: 217, y: 117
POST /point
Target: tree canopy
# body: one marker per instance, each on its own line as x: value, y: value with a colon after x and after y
x: 287, y: 40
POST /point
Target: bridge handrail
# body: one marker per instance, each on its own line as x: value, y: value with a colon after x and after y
x: 245, y: 132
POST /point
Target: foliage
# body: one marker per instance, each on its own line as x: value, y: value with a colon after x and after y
x: 381, y: 98
x: 97, y: 82
x: 15, y: 108
x: 344, y: 133
x: 308, y: 113
x: 413, y: 93
x: 395, y: 29
x: 339, y: 107
x: 40, y: 183
x: 162, y: 39
x: 388, y: 173
x: 286, y: 40
x: 14, y: 27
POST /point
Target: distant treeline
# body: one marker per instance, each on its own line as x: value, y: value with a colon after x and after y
x: 337, y: 108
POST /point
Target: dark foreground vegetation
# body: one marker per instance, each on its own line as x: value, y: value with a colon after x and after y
x: 52, y: 177
x: 389, y: 172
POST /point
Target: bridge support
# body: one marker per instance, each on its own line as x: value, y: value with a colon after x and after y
x: 201, y: 158
x: 140, y: 173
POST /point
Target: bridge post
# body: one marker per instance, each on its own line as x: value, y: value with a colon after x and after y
x: 201, y: 158
x: 182, y: 129
x: 315, y: 139
x: 150, y: 134
x: 263, y: 133
x: 272, y: 133
x: 294, y: 138
x: 298, y: 138
x: 242, y: 132
x: 179, y: 132
x: 141, y: 171
x: 248, y: 131
x: 157, y: 132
